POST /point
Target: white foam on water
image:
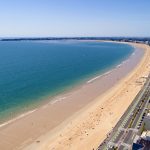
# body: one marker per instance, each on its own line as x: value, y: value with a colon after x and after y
x: 95, y: 78
x: 57, y: 100
x: 17, y: 118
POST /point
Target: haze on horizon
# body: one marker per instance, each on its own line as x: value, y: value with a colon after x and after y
x: 30, y: 18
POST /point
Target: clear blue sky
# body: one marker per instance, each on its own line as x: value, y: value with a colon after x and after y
x: 74, y: 18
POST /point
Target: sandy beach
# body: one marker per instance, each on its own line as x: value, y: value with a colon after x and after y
x: 82, y: 117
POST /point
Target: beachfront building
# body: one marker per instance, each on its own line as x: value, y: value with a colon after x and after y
x: 136, y: 143
x: 146, y: 136
x: 142, y: 142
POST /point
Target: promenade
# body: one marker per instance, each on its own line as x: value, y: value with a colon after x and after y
x: 130, y: 124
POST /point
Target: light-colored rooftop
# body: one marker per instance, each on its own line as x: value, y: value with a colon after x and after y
x: 148, y: 116
x: 146, y: 135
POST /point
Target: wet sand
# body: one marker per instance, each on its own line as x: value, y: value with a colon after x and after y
x: 82, y: 117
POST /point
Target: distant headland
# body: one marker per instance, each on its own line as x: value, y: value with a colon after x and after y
x: 145, y: 40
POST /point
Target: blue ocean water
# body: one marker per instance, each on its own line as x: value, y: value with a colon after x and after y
x: 31, y: 71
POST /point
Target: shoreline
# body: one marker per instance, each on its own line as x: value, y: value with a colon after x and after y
x: 61, y: 96
x: 16, y: 114
x: 45, y: 111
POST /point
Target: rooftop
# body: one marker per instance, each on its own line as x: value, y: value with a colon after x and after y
x: 146, y: 135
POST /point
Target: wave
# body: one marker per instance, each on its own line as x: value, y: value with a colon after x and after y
x: 118, y: 66
x: 57, y: 100
x: 95, y: 78
x: 17, y: 118
x: 29, y: 112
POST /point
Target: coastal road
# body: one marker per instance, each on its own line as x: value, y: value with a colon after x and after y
x: 129, y: 125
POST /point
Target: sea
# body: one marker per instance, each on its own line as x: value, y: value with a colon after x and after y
x: 33, y: 71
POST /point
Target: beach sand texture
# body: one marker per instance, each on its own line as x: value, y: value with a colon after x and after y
x: 83, y: 119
